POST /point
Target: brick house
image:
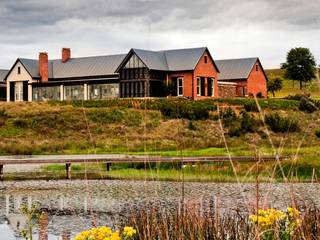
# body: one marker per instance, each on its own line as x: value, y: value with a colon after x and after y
x: 241, y: 77
x: 188, y: 73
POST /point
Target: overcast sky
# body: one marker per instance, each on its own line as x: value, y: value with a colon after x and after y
x: 230, y: 28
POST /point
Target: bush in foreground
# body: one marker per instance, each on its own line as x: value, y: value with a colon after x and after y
x: 281, y: 124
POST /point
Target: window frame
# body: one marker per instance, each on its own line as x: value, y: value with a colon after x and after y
x: 198, y: 86
x: 19, y: 70
x: 212, y: 86
x: 18, y: 91
x: 178, y: 86
x: 205, y: 59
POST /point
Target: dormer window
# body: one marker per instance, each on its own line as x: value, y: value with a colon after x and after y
x: 205, y: 59
x: 19, y: 70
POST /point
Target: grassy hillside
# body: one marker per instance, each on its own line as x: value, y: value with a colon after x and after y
x: 103, y: 127
x: 292, y: 88
x: 163, y: 127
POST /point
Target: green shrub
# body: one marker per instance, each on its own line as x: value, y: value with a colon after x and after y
x: 3, y: 112
x: 107, y: 116
x: 251, y: 106
x: 132, y: 118
x: 188, y: 109
x: 192, y: 126
x: 234, y: 131
x: 281, y: 124
x: 228, y: 117
x: 247, y: 122
x: 317, y: 132
x: 307, y: 105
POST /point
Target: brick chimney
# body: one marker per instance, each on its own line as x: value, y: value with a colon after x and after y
x: 66, y: 54
x: 43, y: 66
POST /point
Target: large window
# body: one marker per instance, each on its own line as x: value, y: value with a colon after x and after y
x: 210, y: 87
x: 102, y: 91
x: 46, y: 93
x: 18, y: 91
x: 198, y: 86
x: 134, y: 69
x: 74, y: 92
x: 180, y: 86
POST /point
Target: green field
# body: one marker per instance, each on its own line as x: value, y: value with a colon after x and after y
x: 292, y: 87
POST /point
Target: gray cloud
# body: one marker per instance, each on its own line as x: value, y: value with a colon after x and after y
x: 230, y: 28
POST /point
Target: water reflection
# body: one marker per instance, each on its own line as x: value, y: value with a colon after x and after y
x: 74, y: 205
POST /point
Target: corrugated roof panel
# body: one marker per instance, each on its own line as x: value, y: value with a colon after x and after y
x: 183, y: 59
x: 89, y: 66
x: 231, y: 69
x: 31, y: 65
x: 153, y: 60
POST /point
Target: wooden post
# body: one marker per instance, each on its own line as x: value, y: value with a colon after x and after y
x: 43, y: 226
x: 1, y: 172
x: 108, y: 167
x: 68, y: 170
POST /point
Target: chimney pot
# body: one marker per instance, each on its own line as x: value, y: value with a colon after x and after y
x: 43, y: 66
x: 66, y: 54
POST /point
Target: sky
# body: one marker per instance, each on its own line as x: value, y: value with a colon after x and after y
x: 267, y: 29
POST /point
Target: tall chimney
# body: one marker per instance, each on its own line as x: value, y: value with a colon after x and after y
x: 66, y: 54
x: 43, y: 66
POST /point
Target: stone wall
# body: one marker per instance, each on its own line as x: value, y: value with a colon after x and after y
x: 227, y: 90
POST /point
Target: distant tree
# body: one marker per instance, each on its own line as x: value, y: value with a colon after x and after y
x: 274, y: 85
x: 300, y: 65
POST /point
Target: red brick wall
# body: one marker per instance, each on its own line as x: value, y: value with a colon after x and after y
x: 205, y: 70
x: 187, y: 82
x: 257, y: 81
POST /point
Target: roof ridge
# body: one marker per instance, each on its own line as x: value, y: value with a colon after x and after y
x: 229, y: 59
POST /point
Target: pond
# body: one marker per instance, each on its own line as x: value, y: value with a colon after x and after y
x: 74, y: 204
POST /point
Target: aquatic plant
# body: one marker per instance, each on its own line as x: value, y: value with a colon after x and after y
x: 32, y: 215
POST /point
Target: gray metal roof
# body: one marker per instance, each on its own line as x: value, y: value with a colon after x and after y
x: 3, y: 74
x: 232, y: 69
x: 153, y: 60
x: 168, y: 60
x: 88, y: 66
x: 76, y: 67
x: 171, y: 60
x: 183, y: 59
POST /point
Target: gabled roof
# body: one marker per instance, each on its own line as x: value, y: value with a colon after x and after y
x: 184, y: 59
x: 3, y: 74
x: 232, y: 69
x: 169, y: 60
x: 152, y: 59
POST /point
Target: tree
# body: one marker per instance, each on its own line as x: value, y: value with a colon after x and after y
x: 300, y: 65
x: 274, y: 85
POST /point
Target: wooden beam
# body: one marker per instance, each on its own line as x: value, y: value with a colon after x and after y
x: 105, y: 158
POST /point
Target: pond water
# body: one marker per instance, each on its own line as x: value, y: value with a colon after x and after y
x: 74, y: 205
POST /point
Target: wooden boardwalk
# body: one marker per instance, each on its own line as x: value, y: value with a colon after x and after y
x: 121, y: 158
